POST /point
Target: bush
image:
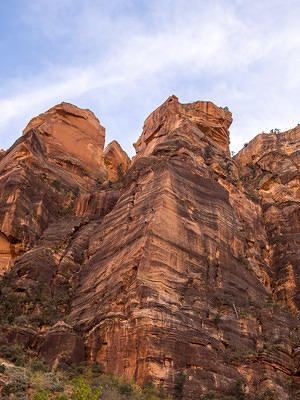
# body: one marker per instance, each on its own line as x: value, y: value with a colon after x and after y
x: 13, y: 354
x: 37, y: 364
x: 46, y: 381
x: 17, y: 385
x: 97, y: 368
x: 238, y: 390
x: 61, y: 396
x: 208, y: 152
x: 2, y: 369
x: 83, y: 391
x: 180, y: 379
x: 41, y: 395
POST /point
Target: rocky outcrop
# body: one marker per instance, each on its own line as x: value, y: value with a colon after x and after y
x: 270, y: 168
x: 184, y: 262
x: 73, y: 139
x: 116, y: 161
x: 59, y: 156
x: 202, y: 119
x: 179, y: 276
x: 62, y: 346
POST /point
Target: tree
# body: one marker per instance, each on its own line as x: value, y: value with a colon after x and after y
x: 83, y: 391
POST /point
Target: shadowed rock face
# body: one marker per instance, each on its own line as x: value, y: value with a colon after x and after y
x: 270, y: 168
x: 116, y: 161
x: 188, y: 262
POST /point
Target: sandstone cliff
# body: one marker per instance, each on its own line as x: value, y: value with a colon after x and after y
x: 184, y: 262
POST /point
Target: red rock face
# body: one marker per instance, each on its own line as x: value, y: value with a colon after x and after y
x: 202, y: 120
x: 116, y: 161
x: 69, y: 129
x: 270, y: 168
x: 57, y: 161
x: 179, y: 274
x: 187, y: 264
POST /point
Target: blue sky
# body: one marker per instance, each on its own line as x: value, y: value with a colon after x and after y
x: 123, y: 58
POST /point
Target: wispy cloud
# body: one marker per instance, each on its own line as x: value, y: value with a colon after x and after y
x: 122, y: 61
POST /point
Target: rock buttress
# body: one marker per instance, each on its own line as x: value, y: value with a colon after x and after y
x: 178, y: 277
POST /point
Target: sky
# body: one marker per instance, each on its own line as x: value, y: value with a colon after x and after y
x: 123, y: 58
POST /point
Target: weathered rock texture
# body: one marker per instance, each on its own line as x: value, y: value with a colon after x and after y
x: 55, y: 166
x: 185, y: 262
x: 116, y: 161
x: 73, y: 138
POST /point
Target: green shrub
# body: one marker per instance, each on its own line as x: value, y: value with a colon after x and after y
x: 83, y: 391
x: 36, y: 364
x: 150, y: 392
x: 179, y: 382
x: 13, y: 354
x: 238, y: 390
x: 61, y: 396
x: 120, y: 171
x: 97, y: 368
x: 17, y: 385
x: 41, y: 395
x: 46, y: 381
x: 217, y: 319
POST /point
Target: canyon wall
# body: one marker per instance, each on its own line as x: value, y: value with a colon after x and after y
x: 182, y: 261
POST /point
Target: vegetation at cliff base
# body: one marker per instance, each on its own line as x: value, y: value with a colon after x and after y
x: 31, y: 378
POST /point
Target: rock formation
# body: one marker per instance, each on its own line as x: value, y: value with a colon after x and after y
x: 116, y: 161
x: 183, y: 262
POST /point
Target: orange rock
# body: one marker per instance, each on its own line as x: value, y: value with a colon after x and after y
x: 185, y: 267
x: 71, y: 132
x: 59, y: 155
x: 205, y: 121
x: 270, y: 168
x: 116, y: 161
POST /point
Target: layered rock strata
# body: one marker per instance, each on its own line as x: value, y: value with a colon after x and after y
x: 179, y: 274
x: 184, y: 262
x: 51, y: 169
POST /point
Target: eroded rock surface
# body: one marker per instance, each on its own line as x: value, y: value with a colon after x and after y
x: 185, y: 261
x: 116, y: 161
x: 270, y: 168
x: 73, y: 138
x: 59, y: 156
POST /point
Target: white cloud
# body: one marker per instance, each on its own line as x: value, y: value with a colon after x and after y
x: 235, y: 55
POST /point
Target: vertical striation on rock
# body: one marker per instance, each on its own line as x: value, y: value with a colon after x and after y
x: 179, y: 274
x: 270, y: 168
x: 182, y: 261
x: 59, y: 155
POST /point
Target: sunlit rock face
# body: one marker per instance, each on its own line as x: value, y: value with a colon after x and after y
x: 116, y: 161
x: 194, y: 121
x: 182, y: 261
x: 73, y: 138
x: 59, y: 155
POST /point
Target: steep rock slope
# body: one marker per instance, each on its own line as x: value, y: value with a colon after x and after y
x: 58, y: 158
x: 270, y: 169
x: 52, y: 183
x: 184, y: 264
x: 116, y: 161
x: 179, y: 273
